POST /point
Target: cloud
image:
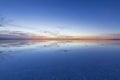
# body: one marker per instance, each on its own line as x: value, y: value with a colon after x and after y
x: 6, y: 34
x: 2, y: 21
x: 13, y: 35
x: 113, y: 36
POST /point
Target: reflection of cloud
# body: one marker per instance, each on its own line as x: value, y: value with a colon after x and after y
x: 63, y: 50
x: 9, y: 46
x: 4, y: 55
x: 1, y: 52
x: 15, y: 43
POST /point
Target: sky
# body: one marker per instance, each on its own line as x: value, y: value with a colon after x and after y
x: 61, y: 17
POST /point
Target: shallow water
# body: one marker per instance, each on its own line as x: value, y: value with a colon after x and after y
x: 59, y: 60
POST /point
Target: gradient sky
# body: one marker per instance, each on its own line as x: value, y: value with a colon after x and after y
x: 64, y: 17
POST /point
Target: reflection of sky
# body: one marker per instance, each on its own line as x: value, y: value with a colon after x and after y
x: 70, y: 17
x: 71, y: 60
x: 25, y: 48
x: 61, y: 45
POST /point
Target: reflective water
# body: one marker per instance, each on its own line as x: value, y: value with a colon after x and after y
x: 59, y: 60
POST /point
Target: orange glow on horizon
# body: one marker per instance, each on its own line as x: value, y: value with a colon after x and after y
x: 99, y: 37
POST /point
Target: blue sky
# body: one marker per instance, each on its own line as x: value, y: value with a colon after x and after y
x: 64, y: 17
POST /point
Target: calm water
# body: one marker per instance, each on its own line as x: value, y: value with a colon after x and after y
x: 59, y: 60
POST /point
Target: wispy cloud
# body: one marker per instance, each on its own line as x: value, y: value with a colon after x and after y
x: 2, y: 21
x: 13, y: 35
x: 53, y: 35
x: 6, y: 34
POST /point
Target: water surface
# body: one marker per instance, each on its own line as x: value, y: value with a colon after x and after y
x: 59, y: 60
